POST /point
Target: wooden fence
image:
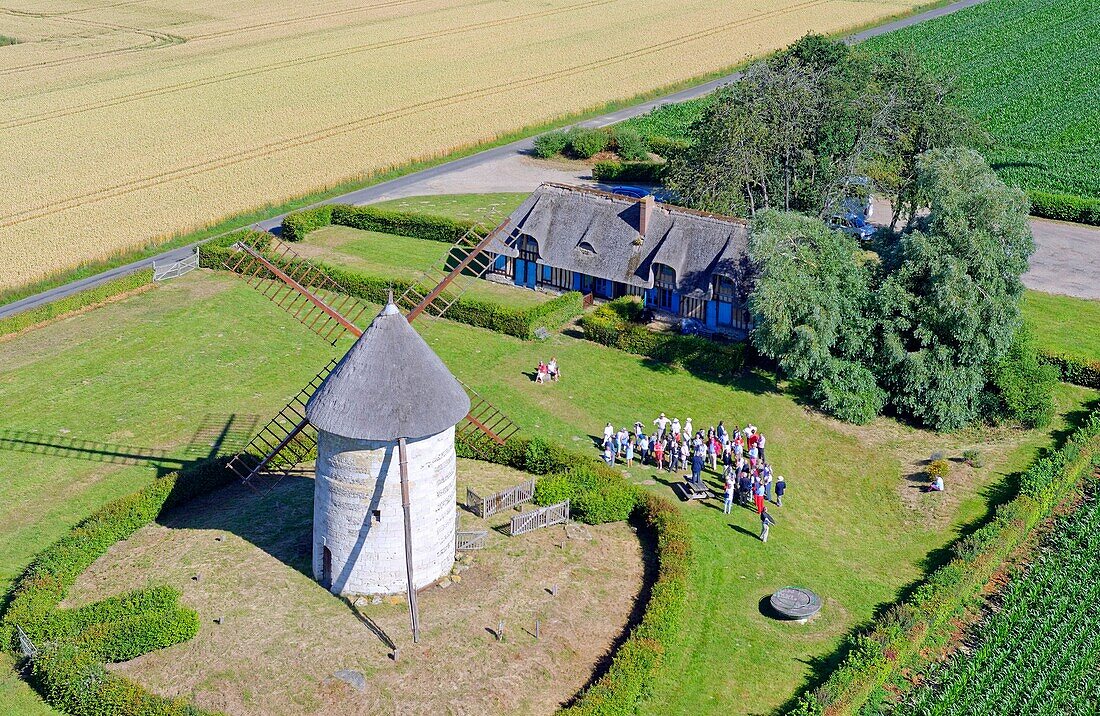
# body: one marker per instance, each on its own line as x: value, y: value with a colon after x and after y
x: 470, y: 540
x: 504, y: 500
x: 542, y: 517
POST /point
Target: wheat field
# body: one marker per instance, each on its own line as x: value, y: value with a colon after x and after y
x: 125, y: 121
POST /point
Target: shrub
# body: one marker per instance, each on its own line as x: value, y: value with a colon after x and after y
x: 613, y: 501
x: 1065, y: 207
x: 972, y: 457
x: 585, y: 143
x: 83, y: 299
x: 667, y: 147
x: 630, y: 145
x: 299, y: 223
x: 938, y: 468
x: 1024, y: 386
x: 639, y: 172
x: 551, y: 144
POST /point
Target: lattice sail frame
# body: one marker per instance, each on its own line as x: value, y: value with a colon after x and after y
x: 314, y: 298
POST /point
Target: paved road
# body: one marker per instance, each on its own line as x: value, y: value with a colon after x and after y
x: 498, y: 169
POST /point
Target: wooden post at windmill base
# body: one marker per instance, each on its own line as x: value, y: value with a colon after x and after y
x: 414, y: 614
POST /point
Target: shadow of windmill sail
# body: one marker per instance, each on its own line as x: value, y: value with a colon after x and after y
x: 217, y: 436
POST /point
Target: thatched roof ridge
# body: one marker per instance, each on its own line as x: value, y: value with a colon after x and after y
x: 389, y: 385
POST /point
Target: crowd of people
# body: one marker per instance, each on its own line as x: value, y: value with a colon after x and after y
x: 748, y: 478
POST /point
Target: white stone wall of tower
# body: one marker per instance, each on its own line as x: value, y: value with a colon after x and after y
x: 358, y: 513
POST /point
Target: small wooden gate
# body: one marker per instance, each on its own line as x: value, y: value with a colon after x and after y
x: 503, y: 500
x: 470, y: 539
x: 542, y: 517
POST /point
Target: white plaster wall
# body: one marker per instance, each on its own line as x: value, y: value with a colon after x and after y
x: 356, y: 478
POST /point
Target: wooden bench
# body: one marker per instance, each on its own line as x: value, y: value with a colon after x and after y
x: 694, y: 490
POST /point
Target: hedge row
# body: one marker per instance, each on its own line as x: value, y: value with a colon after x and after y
x: 298, y: 224
x: 70, y: 670
x: 518, y: 322
x: 602, y: 494
x: 641, y: 172
x: 83, y: 299
x: 894, y: 639
x: 1074, y: 370
x: 1065, y: 207
x: 615, y: 324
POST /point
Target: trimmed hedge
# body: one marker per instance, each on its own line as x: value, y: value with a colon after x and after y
x: 74, y: 644
x: 512, y: 321
x: 613, y: 324
x: 637, y: 661
x: 1065, y: 207
x: 297, y: 224
x: 894, y: 639
x: 1074, y: 370
x: 87, y: 297
x: 642, y: 172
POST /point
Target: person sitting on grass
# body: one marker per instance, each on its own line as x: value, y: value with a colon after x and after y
x: 553, y: 370
x: 936, y: 485
x: 542, y: 375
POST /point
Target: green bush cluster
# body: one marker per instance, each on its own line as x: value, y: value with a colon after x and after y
x: 612, y: 325
x: 585, y: 143
x: 571, y: 476
x: 889, y: 644
x: 296, y: 225
x: 83, y: 299
x: 629, y: 144
x: 75, y: 643
x: 642, y: 172
x: 938, y: 468
x: 1065, y: 207
x: 551, y: 144
x: 1074, y: 370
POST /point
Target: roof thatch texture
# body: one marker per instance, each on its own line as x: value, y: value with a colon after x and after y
x: 389, y: 385
x: 596, y: 233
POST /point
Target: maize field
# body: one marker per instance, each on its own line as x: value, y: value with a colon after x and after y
x: 1038, y: 652
x: 1029, y: 72
x: 125, y: 122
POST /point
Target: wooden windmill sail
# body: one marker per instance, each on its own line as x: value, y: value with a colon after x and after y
x: 317, y: 300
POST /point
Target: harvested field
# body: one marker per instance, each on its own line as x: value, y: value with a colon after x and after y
x: 284, y: 637
x: 133, y: 121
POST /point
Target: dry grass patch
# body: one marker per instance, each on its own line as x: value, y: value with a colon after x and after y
x: 130, y: 122
x: 284, y: 637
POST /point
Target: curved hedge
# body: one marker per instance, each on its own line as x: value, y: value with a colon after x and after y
x: 75, y: 644
x: 890, y: 643
x: 510, y: 320
x: 602, y: 494
x: 1065, y: 207
x: 1074, y: 370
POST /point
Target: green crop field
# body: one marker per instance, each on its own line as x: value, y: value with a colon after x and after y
x: 1029, y: 72
x: 1039, y: 650
x: 1062, y: 324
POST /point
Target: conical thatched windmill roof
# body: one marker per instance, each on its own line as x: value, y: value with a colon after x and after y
x: 389, y: 385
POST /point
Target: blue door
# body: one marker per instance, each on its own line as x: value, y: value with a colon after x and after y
x: 526, y: 273
x: 601, y: 287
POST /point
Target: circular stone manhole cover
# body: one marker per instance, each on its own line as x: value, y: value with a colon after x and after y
x: 795, y: 603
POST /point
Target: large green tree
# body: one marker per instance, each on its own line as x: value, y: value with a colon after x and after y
x: 948, y: 303
x: 811, y: 308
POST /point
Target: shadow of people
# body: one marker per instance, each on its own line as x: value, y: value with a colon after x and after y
x: 742, y: 530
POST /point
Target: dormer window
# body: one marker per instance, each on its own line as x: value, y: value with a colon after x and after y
x: 585, y: 246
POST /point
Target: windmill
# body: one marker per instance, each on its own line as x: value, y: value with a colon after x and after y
x: 318, y: 301
x: 357, y: 435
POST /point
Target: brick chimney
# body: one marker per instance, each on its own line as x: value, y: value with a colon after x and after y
x: 645, y: 211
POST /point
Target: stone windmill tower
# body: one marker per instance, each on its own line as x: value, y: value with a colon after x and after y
x: 384, y: 499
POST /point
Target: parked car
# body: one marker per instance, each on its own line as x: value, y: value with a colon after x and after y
x: 853, y: 224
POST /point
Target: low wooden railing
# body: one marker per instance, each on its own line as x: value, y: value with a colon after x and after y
x: 537, y: 519
x: 503, y: 500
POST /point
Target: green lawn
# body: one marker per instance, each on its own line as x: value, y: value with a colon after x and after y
x: 400, y: 257
x: 490, y: 208
x: 150, y: 370
x: 1064, y: 325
